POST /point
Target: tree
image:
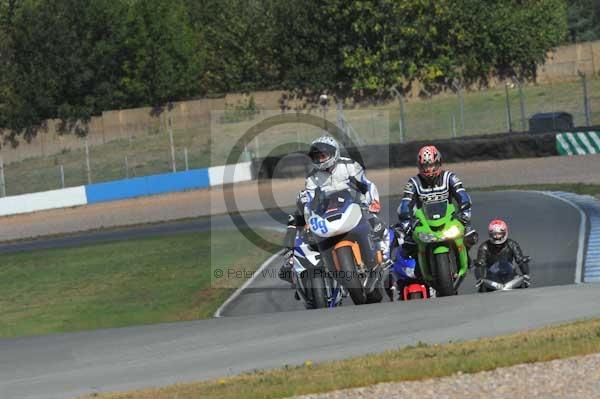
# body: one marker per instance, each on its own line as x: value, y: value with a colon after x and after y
x: 164, y: 60
x: 436, y: 41
x: 64, y: 62
x: 72, y: 59
x: 238, y: 37
x: 308, y: 45
x: 584, y: 20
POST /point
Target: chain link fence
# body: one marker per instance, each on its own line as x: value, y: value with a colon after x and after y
x: 177, y: 143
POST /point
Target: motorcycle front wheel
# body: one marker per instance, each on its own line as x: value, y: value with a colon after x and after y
x: 348, y: 275
x: 444, y: 275
x: 376, y: 295
x: 317, y: 293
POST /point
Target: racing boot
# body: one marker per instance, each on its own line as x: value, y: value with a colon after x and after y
x: 381, y: 239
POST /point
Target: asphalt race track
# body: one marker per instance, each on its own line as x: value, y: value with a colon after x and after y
x: 534, y: 221
x: 68, y: 365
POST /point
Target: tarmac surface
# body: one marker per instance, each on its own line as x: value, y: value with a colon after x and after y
x: 272, y: 334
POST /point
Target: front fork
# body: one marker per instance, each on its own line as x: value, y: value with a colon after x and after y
x: 463, y: 261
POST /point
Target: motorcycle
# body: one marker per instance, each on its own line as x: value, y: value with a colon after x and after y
x: 402, y: 274
x: 442, y: 254
x: 313, y: 283
x: 502, y: 276
x: 340, y: 219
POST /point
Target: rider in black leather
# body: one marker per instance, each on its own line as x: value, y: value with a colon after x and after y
x: 500, y: 248
x: 432, y: 184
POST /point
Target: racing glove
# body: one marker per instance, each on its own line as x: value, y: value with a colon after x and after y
x: 405, y: 226
x: 465, y: 216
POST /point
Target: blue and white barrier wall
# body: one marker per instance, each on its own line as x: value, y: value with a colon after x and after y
x: 124, y: 189
x: 42, y: 201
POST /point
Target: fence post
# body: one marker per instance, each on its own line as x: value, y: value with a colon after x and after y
x: 461, y: 96
x: 586, y: 103
x: 62, y: 176
x: 2, y: 181
x: 126, y: 167
x: 257, y: 146
x: 453, y: 126
x: 185, y: 158
x: 88, y: 169
x: 508, y: 115
x: 170, y: 129
x: 401, y: 123
x: 521, y: 103
x: 461, y: 103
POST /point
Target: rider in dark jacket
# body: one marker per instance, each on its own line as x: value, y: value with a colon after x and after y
x: 433, y: 184
x: 499, y: 248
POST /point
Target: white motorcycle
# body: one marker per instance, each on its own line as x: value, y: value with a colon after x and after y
x: 314, y: 284
x: 339, y: 220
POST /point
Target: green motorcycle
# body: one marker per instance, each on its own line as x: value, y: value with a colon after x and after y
x: 443, y: 257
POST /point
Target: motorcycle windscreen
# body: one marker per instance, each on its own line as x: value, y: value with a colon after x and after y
x: 435, y: 210
x: 501, y: 268
x: 326, y: 204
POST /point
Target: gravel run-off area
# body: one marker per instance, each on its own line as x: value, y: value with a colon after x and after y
x: 577, y: 377
x: 260, y: 195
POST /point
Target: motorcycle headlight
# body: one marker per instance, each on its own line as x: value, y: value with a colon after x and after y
x: 452, y: 232
x: 426, y: 237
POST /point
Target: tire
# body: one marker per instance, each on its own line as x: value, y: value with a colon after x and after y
x: 348, y: 268
x: 376, y: 295
x: 443, y: 275
x: 318, y: 293
x: 415, y: 295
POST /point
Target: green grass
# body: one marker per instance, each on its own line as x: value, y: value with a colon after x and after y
x: 209, y: 144
x: 412, y: 363
x: 577, y: 188
x: 146, y: 155
x: 119, y: 284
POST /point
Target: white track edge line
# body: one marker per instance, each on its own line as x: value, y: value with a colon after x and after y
x: 238, y: 292
x: 581, y: 243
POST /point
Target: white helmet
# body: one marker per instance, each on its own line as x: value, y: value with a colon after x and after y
x: 324, y: 152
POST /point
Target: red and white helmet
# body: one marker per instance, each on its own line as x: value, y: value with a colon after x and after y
x: 429, y: 161
x: 498, y: 230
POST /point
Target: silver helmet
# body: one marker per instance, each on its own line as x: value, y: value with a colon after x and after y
x: 324, y: 152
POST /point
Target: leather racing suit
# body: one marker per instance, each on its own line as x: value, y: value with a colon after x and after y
x: 490, y: 253
x: 444, y: 187
x: 350, y: 174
